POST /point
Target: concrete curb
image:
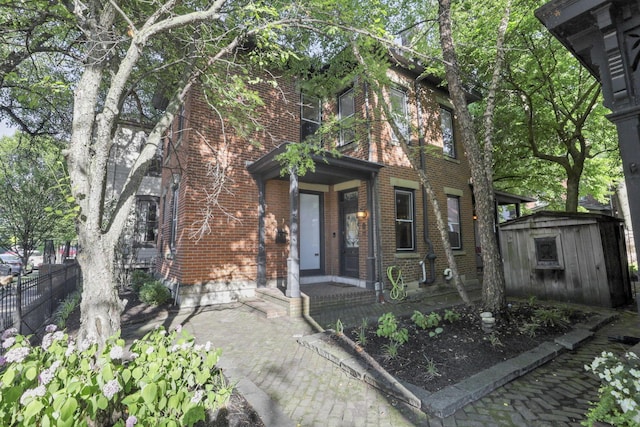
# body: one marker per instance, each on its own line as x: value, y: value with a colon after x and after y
x: 450, y: 399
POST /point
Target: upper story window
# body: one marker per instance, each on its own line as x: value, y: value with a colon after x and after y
x: 399, y: 110
x: 177, y: 127
x: 146, y: 221
x: 346, y: 113
x: 448, y: 141
x: 405, y: 227
x: 174, y: 217
x: 310, y: 115
x: 453, y: 221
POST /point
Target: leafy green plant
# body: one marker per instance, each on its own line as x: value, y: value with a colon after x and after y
x: 154, y: 293
x: 165, y: 380
x: 437, y: 331
x: 139, y: 278
x: 619, y: 393
x: 65, y: 309
x: 532, y: 300
x: 339, y: 327
x: 451, y: 316
x: 429, y: 321
x: 388, y: 328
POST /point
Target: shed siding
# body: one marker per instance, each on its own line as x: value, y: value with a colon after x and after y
x: 592, y: 259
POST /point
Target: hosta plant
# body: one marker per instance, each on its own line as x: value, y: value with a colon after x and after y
x: 164, y: 379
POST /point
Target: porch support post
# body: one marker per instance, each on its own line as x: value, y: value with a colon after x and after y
x: 262, y: 251
x: 628, y: 125
x: 371, y: 243
x: 293, y: 262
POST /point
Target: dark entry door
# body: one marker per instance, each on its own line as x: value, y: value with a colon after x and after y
x: 349, y: 243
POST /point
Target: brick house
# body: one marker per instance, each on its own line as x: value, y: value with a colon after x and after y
x: 345, y: 223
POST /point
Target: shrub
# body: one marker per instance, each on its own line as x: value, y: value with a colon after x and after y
x: 154, y: 293
x: 139, y: 278
x: 166, y: 381
x: 619, y: 393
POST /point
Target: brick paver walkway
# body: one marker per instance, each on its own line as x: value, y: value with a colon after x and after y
x: 313, y: 391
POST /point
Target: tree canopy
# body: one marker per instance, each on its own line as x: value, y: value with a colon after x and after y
x: 33, y: 195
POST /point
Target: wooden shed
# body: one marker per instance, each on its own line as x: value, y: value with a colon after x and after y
x: 563, y: 256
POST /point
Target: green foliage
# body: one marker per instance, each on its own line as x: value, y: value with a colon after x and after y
x: 167, y: 380
x: 339, y: 327
x: 65, y: 309
x: 619, y: 393
x: 437, y: 331
x: 362, y: 332
x: 430, y: 367
x: 388, y: 328
x: 33, y: 197
x: 451, y: 316
x: 139, y: 278
x: 550, y: 317
x: 494, y: 339
x: 154, y: 293
x: 391, y: 349
x: 430, y: 321
x: 530, y: 328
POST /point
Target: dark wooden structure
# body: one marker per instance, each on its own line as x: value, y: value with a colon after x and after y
x: 605, y: 36
x: 571, y: 257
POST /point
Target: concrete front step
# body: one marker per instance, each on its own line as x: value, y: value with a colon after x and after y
x: 273, y: 303
x: 269, y: 309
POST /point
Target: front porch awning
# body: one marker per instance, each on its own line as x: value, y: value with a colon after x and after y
x: 329, y: 169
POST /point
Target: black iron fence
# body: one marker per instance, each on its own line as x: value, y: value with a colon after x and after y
x: 29, y: 301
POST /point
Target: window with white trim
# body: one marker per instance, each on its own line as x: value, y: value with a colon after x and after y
x: 453, y: 222
x: 346, y: 113
x: 310, y: 115
x: 399, y: 111
x: 448, y: 140
x: 174, y: 217
x: 146, y: 221
x: 405, y: 227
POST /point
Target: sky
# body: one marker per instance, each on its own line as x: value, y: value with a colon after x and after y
x: 5, y: 130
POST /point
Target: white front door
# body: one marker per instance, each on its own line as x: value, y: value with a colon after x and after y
x: 310, y: 232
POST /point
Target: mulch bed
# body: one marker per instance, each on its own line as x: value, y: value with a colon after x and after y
x: 463, y: 348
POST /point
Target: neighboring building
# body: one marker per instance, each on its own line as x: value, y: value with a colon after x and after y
x: 346, y: 222
x: 138, y: 245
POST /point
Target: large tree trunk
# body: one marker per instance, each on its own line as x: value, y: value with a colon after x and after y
x: 100, y: 307
x: 493, y: 284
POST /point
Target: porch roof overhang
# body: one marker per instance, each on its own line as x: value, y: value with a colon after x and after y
x: 329, y: 169
x: 504, y: 198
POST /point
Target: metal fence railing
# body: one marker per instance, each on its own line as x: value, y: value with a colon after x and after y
x: 28, y: 302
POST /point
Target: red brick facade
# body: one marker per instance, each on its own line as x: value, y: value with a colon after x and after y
x: 224, y: 258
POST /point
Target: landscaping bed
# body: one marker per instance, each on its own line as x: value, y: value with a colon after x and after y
x: 454, y: 346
